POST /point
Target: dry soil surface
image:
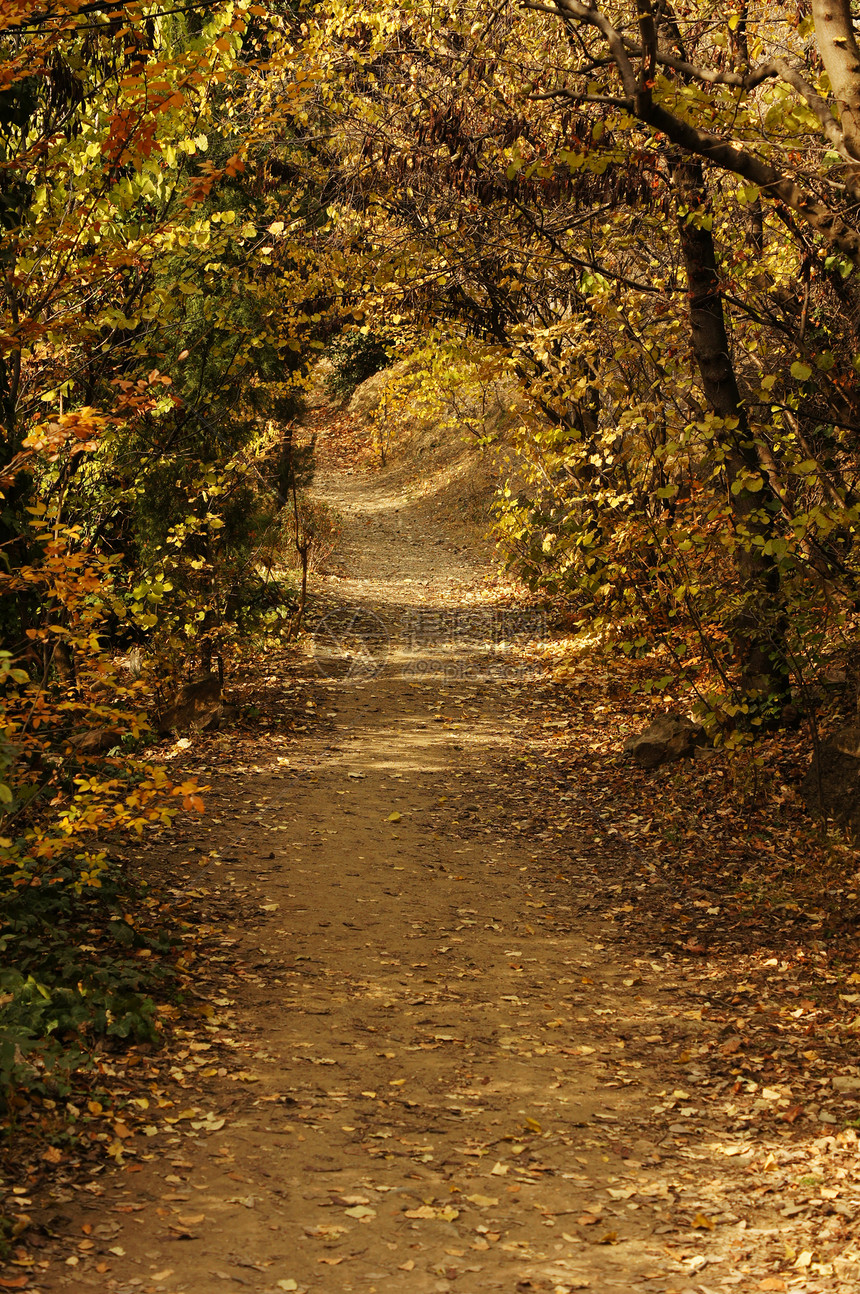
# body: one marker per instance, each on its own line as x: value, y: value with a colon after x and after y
x: 444, y: 1079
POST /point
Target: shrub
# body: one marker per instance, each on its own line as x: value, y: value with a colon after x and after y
x: 354, y: 356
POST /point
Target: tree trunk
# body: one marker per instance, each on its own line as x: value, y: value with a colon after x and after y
x: 840, y: 54
x: 757, y: 630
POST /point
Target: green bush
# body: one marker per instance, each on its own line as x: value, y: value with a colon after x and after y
x: 70, y: 977
x: 354, y: 356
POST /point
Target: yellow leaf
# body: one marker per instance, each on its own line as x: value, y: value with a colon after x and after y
x: 360, y: 1211
x: 703, y: 1223
x: 394, y: 817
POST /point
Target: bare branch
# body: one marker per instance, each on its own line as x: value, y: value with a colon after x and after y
x: 574, y: 10
x: 573, y: 96
x: 819, y: 106
x: 732, y: 156
x: 726, y: 153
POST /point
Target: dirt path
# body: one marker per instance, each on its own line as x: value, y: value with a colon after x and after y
x: 441, y: 1076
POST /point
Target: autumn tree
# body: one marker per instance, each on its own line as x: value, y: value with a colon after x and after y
x: 159, y: 310
x: 676, y: 298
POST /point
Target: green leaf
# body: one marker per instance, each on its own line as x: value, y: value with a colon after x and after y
x: 800, y: 371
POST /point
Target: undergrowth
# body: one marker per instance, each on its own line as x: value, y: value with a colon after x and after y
x: 77, y: 973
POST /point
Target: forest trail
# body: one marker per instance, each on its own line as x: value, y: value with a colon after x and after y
x: 445, y: 1078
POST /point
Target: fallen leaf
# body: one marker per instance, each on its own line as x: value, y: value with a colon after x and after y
x: 394, y: 817
x: 446, y: 1214
x: 772, y: 1283
x: 20, y: 1225
x: 191, y: 1219
x: 208, y: 1124
x: 482, y: 1201
x: 702, y: 1223
x: 360, y: 1211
